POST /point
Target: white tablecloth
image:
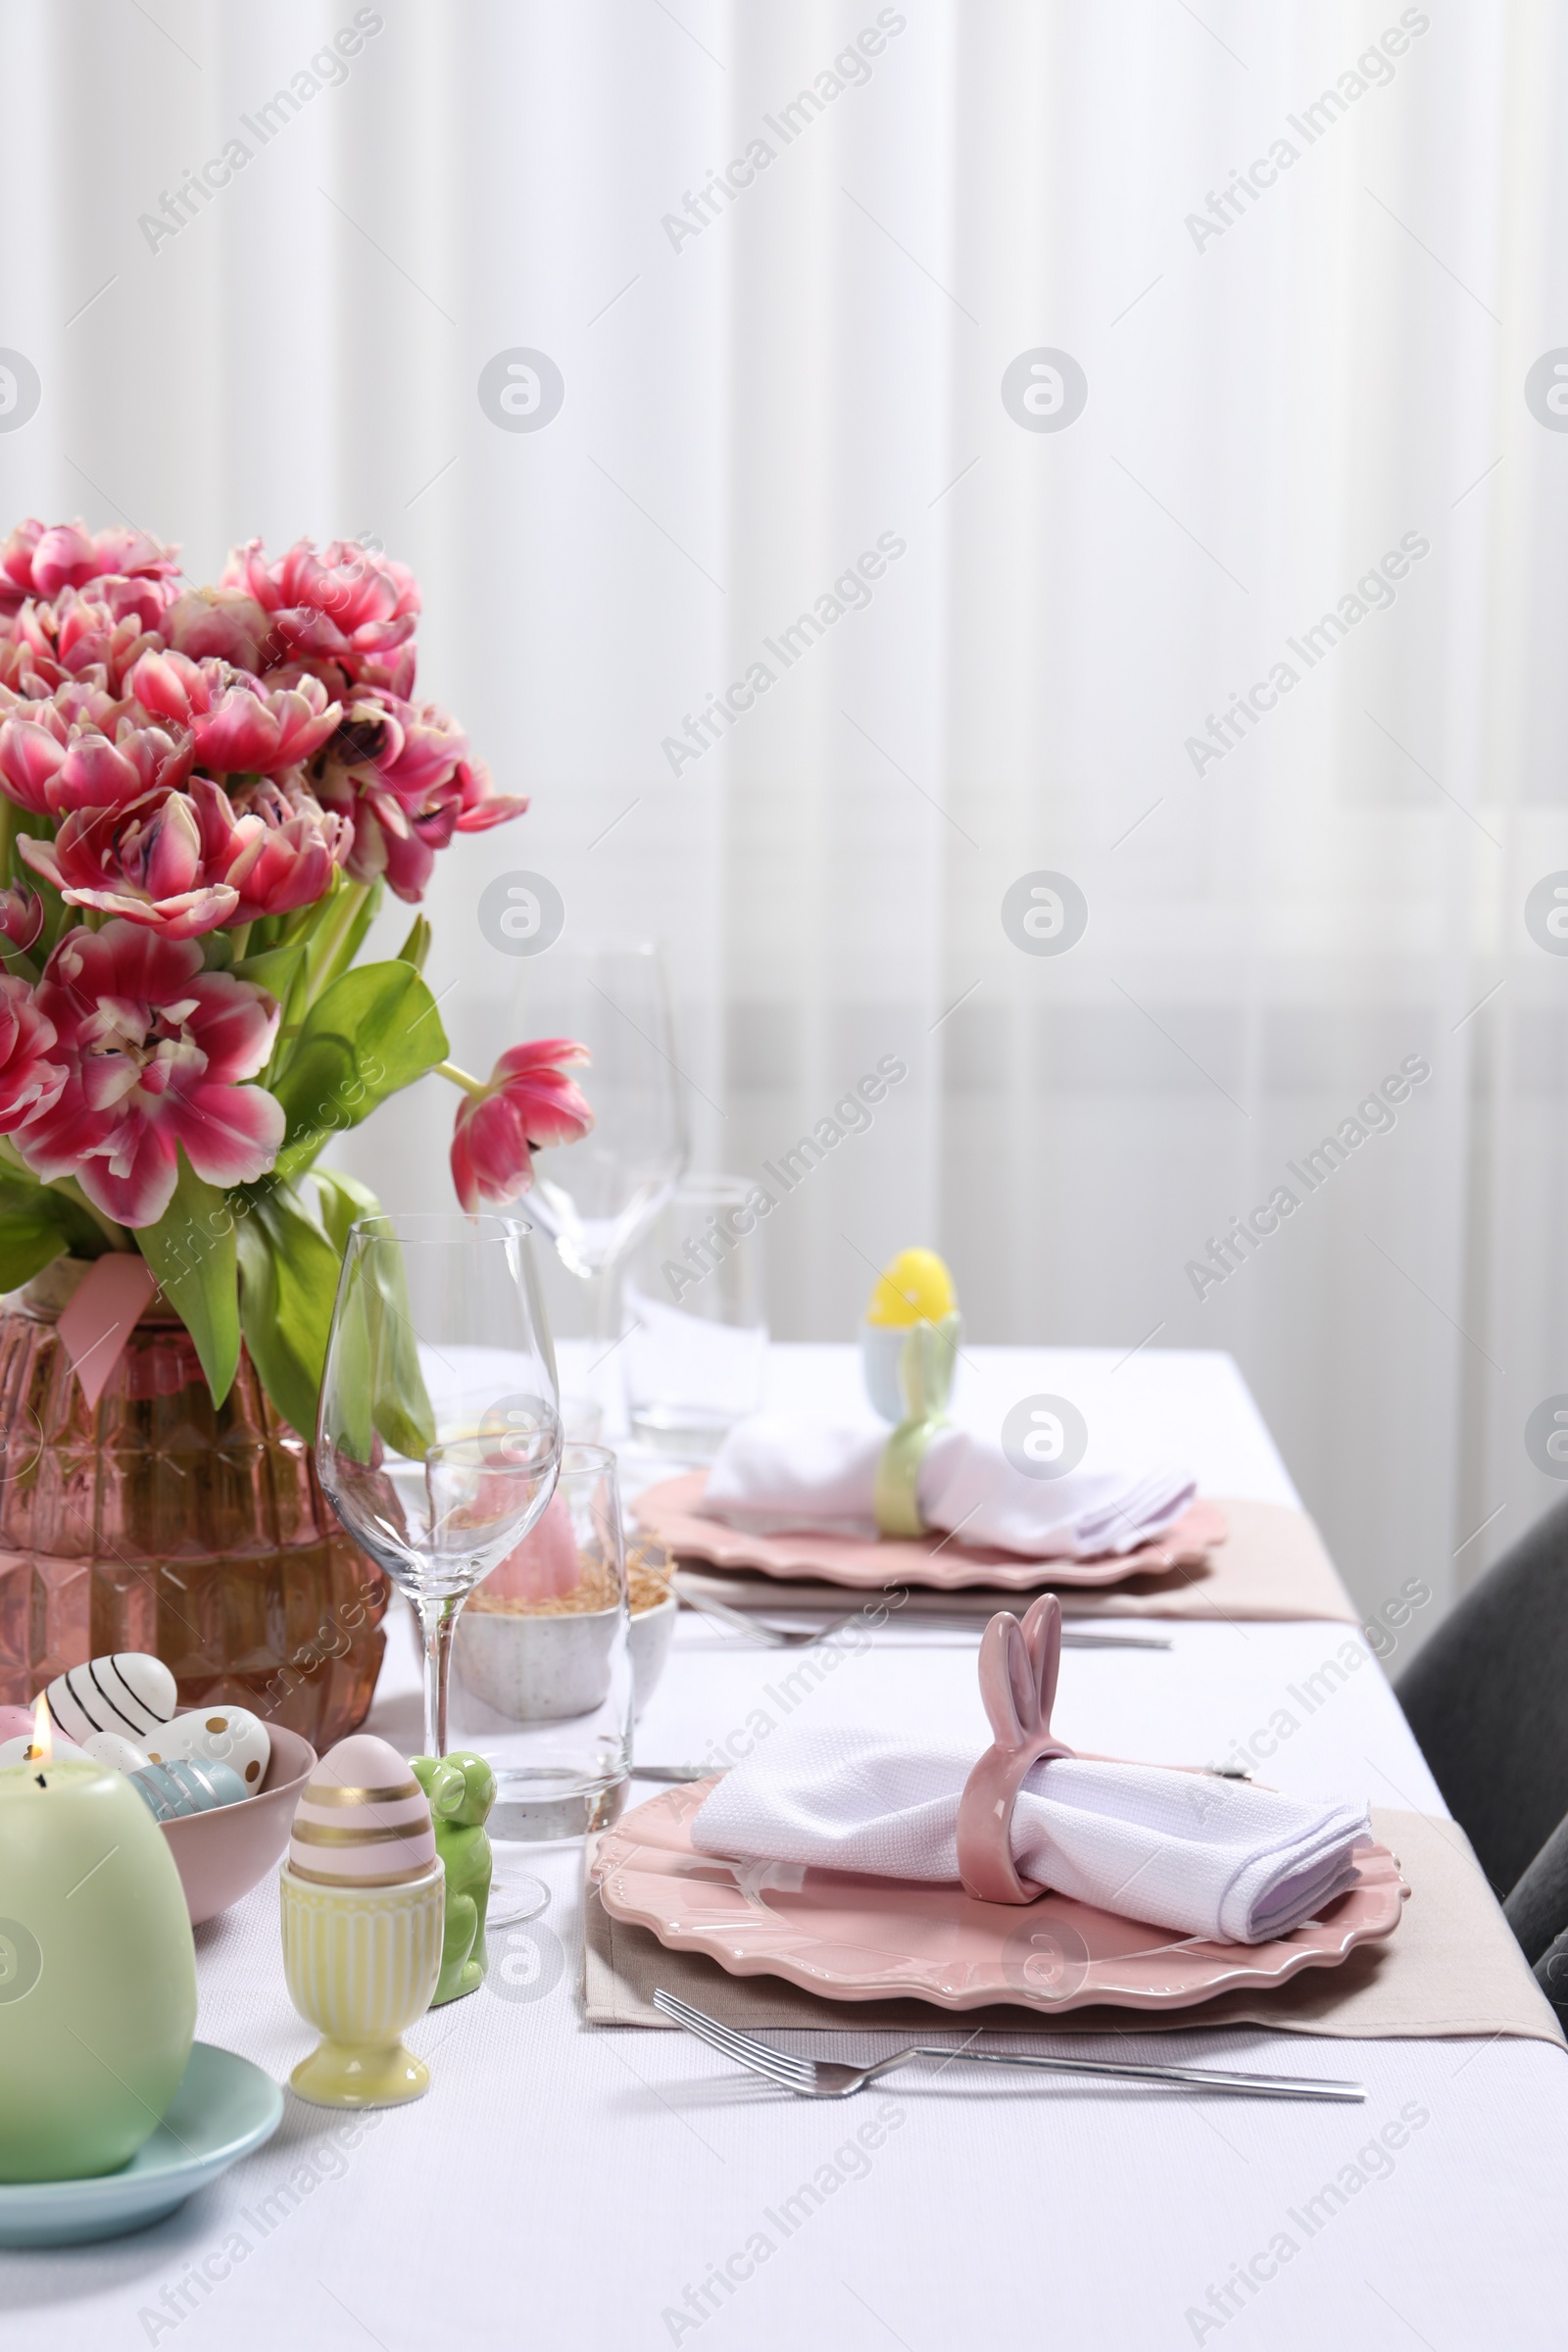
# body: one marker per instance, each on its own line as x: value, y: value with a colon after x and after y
x: 604, y: 2190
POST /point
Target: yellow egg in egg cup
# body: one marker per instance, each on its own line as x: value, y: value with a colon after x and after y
x: 915, y: 1288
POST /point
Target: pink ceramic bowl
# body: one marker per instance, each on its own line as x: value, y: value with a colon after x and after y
x: 223, y: 1854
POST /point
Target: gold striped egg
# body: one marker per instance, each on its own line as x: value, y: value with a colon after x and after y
x: 362, y: 1820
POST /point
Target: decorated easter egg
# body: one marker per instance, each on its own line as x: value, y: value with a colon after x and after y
x: 220, y: 1734
x: 16, y: 1723
x: 130, y: 1693
x: 544, y: 1566
x: 109, y: 1748
x: 184, y: 1787
x: 914, y: 1287
x: 18, y: 1750
x: 362, y: 1820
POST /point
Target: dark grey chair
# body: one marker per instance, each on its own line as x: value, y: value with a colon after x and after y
x: 1551, y: 1975
x: 1537, y: 1910
x: 1487, y: 1701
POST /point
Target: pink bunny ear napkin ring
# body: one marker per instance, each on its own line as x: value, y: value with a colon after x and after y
x: 1018, y: 1669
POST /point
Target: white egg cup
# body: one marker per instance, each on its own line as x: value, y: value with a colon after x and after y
x: 881, y: 1355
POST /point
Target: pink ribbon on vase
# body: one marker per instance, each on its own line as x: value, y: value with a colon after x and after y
x: 101, y: 1314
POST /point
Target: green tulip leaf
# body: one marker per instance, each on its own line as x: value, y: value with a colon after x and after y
x: 191, y: 1250
x: 367, y: 1036
x: 288, y: 1266
x: 28, y: 1243
x: 38, y: 1224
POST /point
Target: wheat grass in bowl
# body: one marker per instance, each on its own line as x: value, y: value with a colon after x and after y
x: 647, y: 1588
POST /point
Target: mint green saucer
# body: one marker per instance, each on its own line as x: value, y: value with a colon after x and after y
x: 222, y: 2109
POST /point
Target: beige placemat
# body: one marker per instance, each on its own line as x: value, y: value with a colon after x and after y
x: 1273, y: 1564
x: 1452, y: 1967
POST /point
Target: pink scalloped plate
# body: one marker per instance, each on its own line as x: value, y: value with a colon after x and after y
x: 669, y: 1515
x: 853, y: 1938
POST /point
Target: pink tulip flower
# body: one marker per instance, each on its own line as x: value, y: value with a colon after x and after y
x: 219, y: 623
x: 39, y: 559
x: 402, y: 771
x: 250, y: 729
x: 32, y: 752
x: 291, y: 852
x: 30, y: 1082
x: 185, y: 863
x: 169, y: 684
x: 95, y: 637
x: 89, y: 636
x: 52, y: 762
x: 155, y: 1053
x: 154, y: 861
x: 20, y: 918
x: 242, y: 726
x: 347, y: 603
x: 529, y: 1102
x: 479, y: 805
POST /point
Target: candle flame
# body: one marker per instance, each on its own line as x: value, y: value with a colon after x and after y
x: 42, y: 1747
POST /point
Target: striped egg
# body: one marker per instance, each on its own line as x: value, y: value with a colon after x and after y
x: 130, y: 1693
x: 363, y: 1820
x: 172, y: 1790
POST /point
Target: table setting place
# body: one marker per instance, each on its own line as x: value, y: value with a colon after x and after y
x: 433, y: 1758
x: 859, y: 1874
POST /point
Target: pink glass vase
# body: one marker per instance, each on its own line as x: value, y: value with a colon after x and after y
x: 157, y: 1521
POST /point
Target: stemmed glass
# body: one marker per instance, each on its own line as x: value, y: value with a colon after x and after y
x: 438, y: 1438
x: 596, y: 1196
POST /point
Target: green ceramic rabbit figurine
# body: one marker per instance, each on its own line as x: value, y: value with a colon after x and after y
x: 462, y: 1788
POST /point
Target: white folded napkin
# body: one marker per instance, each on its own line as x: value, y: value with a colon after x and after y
x: 785, y: 1473
x: 1207, y: 1857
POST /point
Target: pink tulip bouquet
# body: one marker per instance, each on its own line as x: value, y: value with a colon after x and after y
x: 206, y: 794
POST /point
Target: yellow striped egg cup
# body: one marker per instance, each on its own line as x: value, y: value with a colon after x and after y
x: 363, y: 1899
x: 362, y: 1965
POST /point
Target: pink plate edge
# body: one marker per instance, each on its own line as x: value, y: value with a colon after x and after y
x: 665, y: 1512
x: 1288, y: 1959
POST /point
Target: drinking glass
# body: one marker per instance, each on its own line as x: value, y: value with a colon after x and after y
x: 694, y: 1351
x: 594, y: 1196
x: 542, y: 1679
x: 438, y: 1436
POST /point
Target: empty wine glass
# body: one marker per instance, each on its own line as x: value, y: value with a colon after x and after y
x: 438, y: 1436
x: 598, y: 1195
x: 694, y: 1351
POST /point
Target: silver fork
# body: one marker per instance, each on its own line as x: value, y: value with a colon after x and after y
x: 775, y: 1637
x: 824, y: 2079
x: 797, y: 1637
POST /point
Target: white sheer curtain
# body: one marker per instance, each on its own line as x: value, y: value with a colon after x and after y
x: 1286, y: 380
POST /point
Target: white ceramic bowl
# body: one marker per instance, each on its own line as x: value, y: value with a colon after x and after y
x: 545, y: 1669
x: 651, y: 1633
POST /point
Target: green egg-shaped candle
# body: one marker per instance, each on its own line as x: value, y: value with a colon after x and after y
x: 97, y: 1972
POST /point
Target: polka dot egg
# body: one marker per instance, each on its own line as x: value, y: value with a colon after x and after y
x: 217, y: 1735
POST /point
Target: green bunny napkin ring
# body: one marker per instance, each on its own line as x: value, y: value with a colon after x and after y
x: 927, y: 1365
